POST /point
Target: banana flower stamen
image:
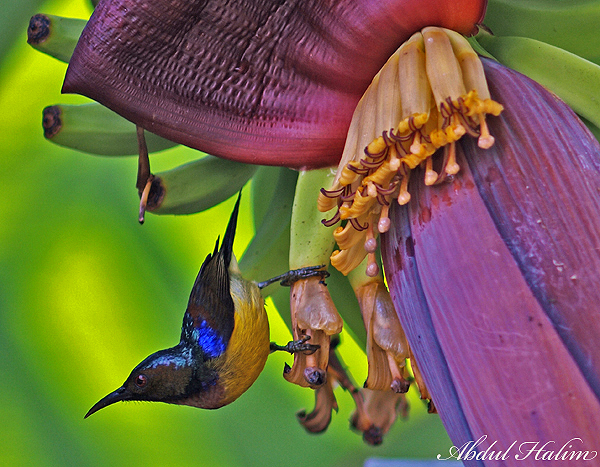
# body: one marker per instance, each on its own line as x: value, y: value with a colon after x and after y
x: 429, y: 94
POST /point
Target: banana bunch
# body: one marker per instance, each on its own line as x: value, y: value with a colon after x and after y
x: 54, y: 35
x: 95, y: 129
x: 206, y: 182
x: 90, y: 128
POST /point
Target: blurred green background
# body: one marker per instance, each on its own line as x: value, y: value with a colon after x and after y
x: 86, y: 293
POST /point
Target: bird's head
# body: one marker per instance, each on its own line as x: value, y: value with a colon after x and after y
x: 171, y: 375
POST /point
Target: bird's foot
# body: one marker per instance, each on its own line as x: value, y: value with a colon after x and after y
x: 288, y: 278
x: 297, y: 346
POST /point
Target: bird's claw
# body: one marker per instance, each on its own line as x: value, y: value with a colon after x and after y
x: 297, y: 346
x: 288, y: 278
x: 303, y: 273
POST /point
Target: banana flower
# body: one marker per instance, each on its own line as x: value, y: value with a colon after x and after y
x: 487, y: 203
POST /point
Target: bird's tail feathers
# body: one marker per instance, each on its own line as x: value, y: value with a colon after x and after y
x: 227, y: 246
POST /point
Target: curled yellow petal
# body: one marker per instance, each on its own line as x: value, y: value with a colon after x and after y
x: 429, y: 94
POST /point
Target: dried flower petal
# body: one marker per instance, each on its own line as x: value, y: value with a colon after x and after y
x: 315, y: 309
x: 318, y: 420
x: 380, y: 410
x: 387, y: 349
x: 314, y: 315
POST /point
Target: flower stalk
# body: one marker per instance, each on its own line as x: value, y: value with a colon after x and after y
x: 313, y: 312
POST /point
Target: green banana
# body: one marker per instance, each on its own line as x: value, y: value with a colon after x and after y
x: 95, y: 129
x: 310, y: 242
x: 267, y: 254
x: 265, y: 185
x: 552, y: 67
x: 593, y: 128
x: 303, y: 226
x: 571, y: 25
x: 54, y: 35
x: 197, y: 185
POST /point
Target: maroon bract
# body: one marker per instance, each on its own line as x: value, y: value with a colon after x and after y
x: 495, y: 277
x: 265, y: 82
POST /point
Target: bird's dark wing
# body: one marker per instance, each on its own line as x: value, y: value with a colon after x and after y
x: 210, y: 314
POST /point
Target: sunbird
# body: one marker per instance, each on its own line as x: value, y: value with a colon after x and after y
x: 224, y: 341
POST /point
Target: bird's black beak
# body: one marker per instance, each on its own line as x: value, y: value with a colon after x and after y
x: 115, y: 396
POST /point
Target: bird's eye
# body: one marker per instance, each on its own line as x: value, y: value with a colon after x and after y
x: 141, y: 380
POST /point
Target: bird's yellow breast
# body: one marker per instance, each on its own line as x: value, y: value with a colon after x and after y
x: 248, y: 347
